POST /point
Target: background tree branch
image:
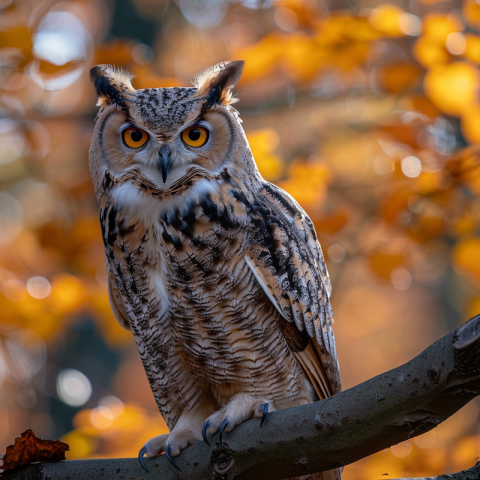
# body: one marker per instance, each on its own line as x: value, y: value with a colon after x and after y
x: 385, y: 410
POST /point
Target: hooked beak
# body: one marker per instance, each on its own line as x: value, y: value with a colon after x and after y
x: 164, y: 158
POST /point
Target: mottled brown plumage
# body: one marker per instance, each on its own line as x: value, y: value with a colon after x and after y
x: 217, y: 272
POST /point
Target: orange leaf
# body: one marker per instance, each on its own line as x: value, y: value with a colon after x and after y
x: 383, y: 263
x: 50, y: 69
x: 28, y: 448
x: 399, y: 77
x: 423, y: 105
x: 426, y: 228
x: 394, y: 203
x: 331, y: 223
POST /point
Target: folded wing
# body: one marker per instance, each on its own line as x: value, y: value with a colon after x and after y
x: 288, y: 263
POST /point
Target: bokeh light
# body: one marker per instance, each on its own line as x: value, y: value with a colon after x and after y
x: 73, y: 387
x: 411, y: 166
x: 38, y: 287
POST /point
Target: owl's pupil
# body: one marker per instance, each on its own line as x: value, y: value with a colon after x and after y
x: 136, y: 135
x: 194, y: 134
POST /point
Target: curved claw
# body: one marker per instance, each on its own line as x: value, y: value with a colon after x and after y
x: 264, y: 409
x: 141, y: 453
x: 168, y: 453
x: 223, y: 426
x: 204, y: 432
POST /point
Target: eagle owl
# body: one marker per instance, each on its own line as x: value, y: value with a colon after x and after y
x: 218, y: 273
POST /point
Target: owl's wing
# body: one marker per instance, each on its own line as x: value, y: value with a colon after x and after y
x: 288, y: 263
x: 115, y: 298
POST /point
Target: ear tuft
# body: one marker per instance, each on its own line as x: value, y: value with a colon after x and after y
x: 217, y: 81
x: 111, y: 84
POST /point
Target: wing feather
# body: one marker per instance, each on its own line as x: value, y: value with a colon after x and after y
x: 116, y: 301
x: 311, y: 365
x: 288, y: 263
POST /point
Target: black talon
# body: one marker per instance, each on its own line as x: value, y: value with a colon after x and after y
x: 264, y: 410
x: 168, y: 453
x: 141, y: 453
x: 204, y: 432
x: 223, y: 426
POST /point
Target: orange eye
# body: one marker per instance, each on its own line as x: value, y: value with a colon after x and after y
x: 134, y: 137
x: 195, y: 136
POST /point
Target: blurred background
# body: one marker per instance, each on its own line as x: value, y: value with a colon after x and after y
x: 367, y: 113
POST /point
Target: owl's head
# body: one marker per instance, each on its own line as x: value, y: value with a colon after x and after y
x: 163, y: 132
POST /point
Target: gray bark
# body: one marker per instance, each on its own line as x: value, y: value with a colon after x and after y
x: 383, y: 411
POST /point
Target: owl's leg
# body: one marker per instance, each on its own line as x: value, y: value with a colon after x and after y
x: 187, y: 430
x: 240, y: 408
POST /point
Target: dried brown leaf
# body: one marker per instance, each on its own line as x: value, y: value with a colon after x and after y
x: 28, y: 448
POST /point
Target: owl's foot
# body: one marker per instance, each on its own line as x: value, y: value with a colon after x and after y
x: 170, y: 443
x: 240, y: 408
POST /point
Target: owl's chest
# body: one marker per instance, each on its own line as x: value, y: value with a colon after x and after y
x: 202, y: 261
x: 207, y: 277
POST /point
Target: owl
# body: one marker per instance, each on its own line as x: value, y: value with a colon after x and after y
x: 218, y: 274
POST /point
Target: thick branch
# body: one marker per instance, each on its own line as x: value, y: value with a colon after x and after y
x: 390, y: 408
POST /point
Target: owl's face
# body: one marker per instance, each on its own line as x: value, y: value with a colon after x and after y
x: 163, y: 132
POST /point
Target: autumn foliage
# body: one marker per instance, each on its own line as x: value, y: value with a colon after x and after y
x: 368, y: 115
x: 28, y: 448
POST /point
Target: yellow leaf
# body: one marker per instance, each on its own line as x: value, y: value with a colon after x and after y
x: 68, y: 294
x: 471, y: 13
x: 307, y: 182
x: 430, y: 52
x: 301, y: 58
x: 465, y: 224
x: 438, y: 27
x: 452, y: 88
x: 470, y: 124
x: 263, y: 140
x: 466, y: 256
x: 262, y: 57
x: 360, y: 28
x: 386, y: 18
x: 81, y: 446
x: 472, y: 47
x: 262, y: 143
x: 474, y: 307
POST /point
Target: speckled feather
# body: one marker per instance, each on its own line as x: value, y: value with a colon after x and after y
x: 218, y: 273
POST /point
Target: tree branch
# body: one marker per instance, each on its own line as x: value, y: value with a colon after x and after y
x: 383, y: 411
